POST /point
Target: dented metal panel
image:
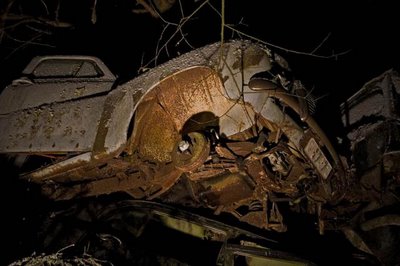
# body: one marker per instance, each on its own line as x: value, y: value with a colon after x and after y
x: 370, y: 116
x: 208, y: 56
x: 63, y: 127
x: 25, y: 96
x: 377, y: 99
x: 56, y: 84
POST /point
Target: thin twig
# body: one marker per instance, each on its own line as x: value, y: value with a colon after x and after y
x: 40, y: 20
x: 181, y: 8
x: 159, y: 41
x: 28, y: 20
x: 38, y: 30
x: 64, y: 248
x: 215, y: 10
x: 94, y: 15
x: 30, y: 41
x: 186, y: 40
x: 321, y: 43
x: 241, y: 33
x: 178, y: 29
x: 163, y: 19
x: 222, y: 20
x: 57, y: 11
x: 142, y: 69
x: 24, y: 43
x: 3, y: 18
x: 45, y: 6
x: 222, y: 28
x: 333, y: 55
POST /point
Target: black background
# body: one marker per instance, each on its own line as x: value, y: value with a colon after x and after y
x: 368, y: 30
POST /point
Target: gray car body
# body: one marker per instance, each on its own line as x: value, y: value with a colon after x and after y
x: 45, y: 117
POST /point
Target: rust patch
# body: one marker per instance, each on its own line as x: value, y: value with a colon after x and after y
x: 252, y: 57
x: 248, y: 58
x: 226, y: 189
x: 242, y: 148
x: 158, y: 135
x: 120, y: 182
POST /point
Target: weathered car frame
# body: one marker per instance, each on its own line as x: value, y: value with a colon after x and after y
x: 223, y: 127
x: 130, y: 139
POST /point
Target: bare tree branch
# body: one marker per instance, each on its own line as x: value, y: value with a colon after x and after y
x: 38, y: 30
x: 41, y: 20
x: 178, y: 29
x: 241, y: 33
x: 94, y: 14
x: 222, y: 20
x: 333, y: 55
x: 3, y: 18
x: 24, y: 43
x: 45, y: 6
x: 159, y: 41
x: 321, y: 43
x: 181, y: 8
x: 185, y: 39
x: 57, y: 11
x: 31, y: 41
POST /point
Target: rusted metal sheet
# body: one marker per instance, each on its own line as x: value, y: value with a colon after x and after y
x: 176, y: 101
x: 103, y: 186
x: 225, y: 190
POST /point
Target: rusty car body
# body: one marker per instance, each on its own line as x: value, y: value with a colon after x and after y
x: 222, y: 127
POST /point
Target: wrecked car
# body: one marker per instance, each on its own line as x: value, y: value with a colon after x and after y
x: 223, y: 127
x: 199, y: 119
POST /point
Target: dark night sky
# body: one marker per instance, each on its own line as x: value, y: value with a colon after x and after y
x: 368, y: 29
